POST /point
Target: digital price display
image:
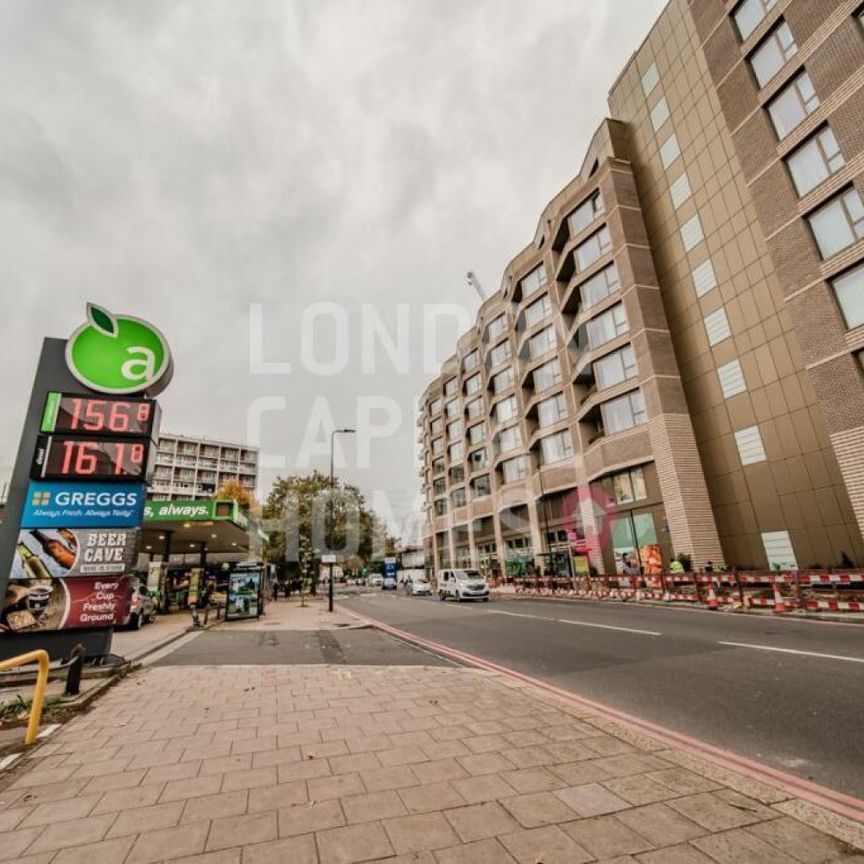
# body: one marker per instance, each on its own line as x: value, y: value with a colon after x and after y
x: 72, y: 414
x: 62, y: 457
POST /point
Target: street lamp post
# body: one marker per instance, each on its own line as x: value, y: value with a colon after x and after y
x: 333, y: 435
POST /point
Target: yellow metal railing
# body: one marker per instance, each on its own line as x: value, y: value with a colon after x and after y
x: 41, y: 657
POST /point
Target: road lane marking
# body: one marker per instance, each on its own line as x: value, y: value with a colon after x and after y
x: 578, y: 623
x: 609, y: 627
x: 794, y: 651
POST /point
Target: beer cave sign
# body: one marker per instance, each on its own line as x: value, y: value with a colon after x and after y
x: 69, y: 570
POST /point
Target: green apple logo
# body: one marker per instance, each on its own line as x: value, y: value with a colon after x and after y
x: 119, y: 354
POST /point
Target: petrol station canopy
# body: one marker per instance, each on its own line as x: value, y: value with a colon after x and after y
x: 220, y: 526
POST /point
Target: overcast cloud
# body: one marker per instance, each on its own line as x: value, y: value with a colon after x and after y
x: 182, y: 160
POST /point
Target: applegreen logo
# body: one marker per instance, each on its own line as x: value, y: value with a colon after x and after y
x: 119, y: 354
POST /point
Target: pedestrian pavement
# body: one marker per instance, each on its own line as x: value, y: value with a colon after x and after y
x: 338, y: 764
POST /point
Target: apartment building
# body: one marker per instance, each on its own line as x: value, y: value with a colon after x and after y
x: 188, y: 467
x: 673, y: 364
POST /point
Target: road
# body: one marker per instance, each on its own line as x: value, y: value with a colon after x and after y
x: 787, y: 693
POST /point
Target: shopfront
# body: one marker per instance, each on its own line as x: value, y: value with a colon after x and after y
x: 189, y: 544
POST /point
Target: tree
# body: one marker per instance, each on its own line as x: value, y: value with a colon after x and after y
x: 297, y: 514
x: 236, y: 491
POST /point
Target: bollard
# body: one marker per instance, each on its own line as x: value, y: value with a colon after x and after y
x: 73, y: 677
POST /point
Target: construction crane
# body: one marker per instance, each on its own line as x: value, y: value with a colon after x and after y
x: 475, y: 283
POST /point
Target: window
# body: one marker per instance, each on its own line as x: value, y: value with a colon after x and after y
x: 457, y: 474
x: 533, y: 281
x: 513, y: 469
x: 473, y: 384
x: 849, y: 290
x: 474, y: 409
x: 509, y: 439
x: 717, y: 326
x: 477, y: 458
x: 481, y: 487
x: 452, y: 409
x: 440, y: 506
x: 503, y: 380
x: 839, y: 223
x: 750, y: 447
x: 660, y: 114
x: 815, y: 161
x: 628, y: 486
x: 505, y: 409
x: 773, y: 54
x: 451, y: 387
x: 454, y: 430
x: 670, y: 150
x: 438, y: 446
x: 498, y: 326
x: 778, y: 550
x: 555, y: 447
x: 456, y: 451
x: 585, y: 214
x: 551, y: 410
x: 750, y: 13
x: 731, y: 379
x: 537, y: 311
x: 650, y: 79
x: 600, y: 286
x: 436, y: 426
x: 499, y: 354
x: 593, y: 248
x: 612, y: 323
x: 704, y: 278
x: 435, y: 407
x: 471, y: 361
x: 796, y: 102
x: 680, y: 190
x: 438, y: 466
x: 615, y: 367
x: 541, y: 342
x: 691, y: 233
x: 547, y: 375
x: 476, y: 433
x: 458, y: 498
x: 624, y: 412
x: 439, y: 487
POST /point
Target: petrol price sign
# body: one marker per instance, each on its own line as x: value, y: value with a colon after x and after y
x: 73, y: 414
x: 64, y: 457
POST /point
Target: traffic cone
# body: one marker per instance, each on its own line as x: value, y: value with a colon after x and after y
x: 779, y: 604
x: 712, y: 597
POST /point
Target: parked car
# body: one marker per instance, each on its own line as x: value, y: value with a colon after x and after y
x: 143, y: 606
x: 462, y: 585
x: 389, y: 583
x: 376, y: 581
x: 418, y: 585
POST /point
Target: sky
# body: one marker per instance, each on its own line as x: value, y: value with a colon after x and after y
x: 287, y: 184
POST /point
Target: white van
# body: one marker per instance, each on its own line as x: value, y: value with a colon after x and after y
x: 462, y: 585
